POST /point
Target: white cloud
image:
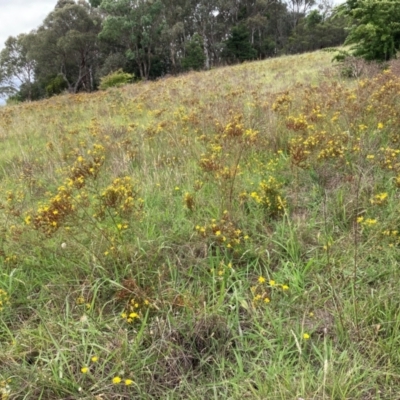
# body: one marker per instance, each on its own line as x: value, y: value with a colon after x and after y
x: 21, y: 16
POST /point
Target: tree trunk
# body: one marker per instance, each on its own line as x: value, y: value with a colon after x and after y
x: 206, y: 52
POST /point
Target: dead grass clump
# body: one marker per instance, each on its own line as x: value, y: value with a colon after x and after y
x: 188, y: 350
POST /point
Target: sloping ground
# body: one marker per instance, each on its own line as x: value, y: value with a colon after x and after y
x: 229, y: 234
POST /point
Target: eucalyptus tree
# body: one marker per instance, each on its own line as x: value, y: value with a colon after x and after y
x: 137, y: 25
x: 16, y: 67
x: 177, y: 31
x: 317, y: 30
x: 66, y: 45
x: 298, y: 9
x: 6, y: 86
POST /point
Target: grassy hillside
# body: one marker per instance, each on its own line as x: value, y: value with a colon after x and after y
x: 232, y: 234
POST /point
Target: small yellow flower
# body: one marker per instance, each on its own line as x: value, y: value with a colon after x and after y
x: 261, y: 279
x: 128, y: 382
x: 380, y: 125
x: 272, y: 282
x: 116, y: 380
x: 306, y: 336
x: 285, y: 287
x: 267, y: 300
x: 95, y: 359
x: 84, y: 370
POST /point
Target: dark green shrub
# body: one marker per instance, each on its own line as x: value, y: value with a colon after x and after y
x: 56, y: 86
x: 195, y: 57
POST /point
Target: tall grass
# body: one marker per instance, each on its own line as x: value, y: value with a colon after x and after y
x: 228, y: 234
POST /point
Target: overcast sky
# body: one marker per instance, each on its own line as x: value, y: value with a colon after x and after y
x: 21, y: 16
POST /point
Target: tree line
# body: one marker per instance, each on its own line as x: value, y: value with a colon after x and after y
x: 80, y: 42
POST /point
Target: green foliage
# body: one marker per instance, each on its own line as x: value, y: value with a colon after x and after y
x: 238, y: 46
x: 16, y: 65
x: 67, y: 44
x: 115, y: 79
x: 83, y: 40
x: 316, y: 32
x: 313, y: 19
x: 95, y: 3
x: 139, y: 28
x: 228, y: 235
x: 56, y: 86
x: 375, y: 34
x: 113, y: 62
x: 194, y: 58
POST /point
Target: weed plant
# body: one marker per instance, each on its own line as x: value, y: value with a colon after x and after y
x: 231, y: 234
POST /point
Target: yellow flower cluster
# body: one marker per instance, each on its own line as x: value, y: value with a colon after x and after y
x: 122, y: 197
x: 117, y: 380
x: 50, y: 216
x: 297, y: 123
x: 379, y: 199
x: 5, y: 389
x: 189, y: 202
x: 389, y: 159
x: 262, y: 291
x: 86, y: 167
x: 268, y: 196
x: 134, y: 309
x: 282, y: 103
x: 367, y: 222
x: 223, y: 232
x: 223, y: 269
x: 320, y: 145
x: 4, y: 299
